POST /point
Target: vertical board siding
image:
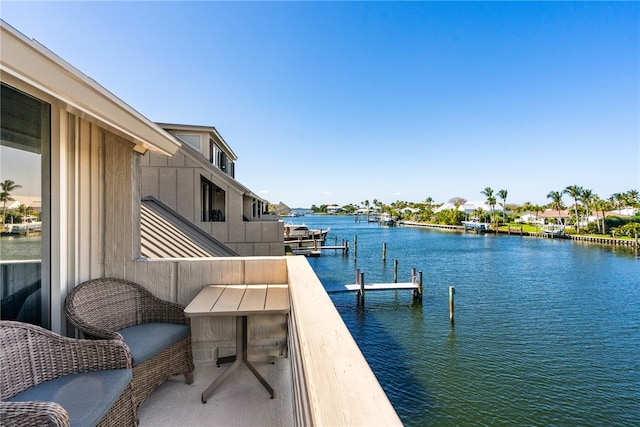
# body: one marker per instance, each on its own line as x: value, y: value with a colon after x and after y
x: 186, y: 187
x: 168, y: 187
x: 81, y: 197
x: 149, y: 181
x: 118, y: 206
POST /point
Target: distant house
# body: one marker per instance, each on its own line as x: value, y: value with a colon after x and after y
x: 468, y: 207
x: 529, y: 218
x: 199, y: 184
x: 553, y: 216
x: 409, y: 210
x: 282, y: 209
x: 623, y: 212
x: 33, y: 202
x: 333, y: 209
x: 367, y: 211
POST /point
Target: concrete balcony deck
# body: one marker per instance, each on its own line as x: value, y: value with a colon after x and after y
x: 239, y: 401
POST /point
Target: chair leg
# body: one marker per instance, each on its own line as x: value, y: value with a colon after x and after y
x: 188, y: 377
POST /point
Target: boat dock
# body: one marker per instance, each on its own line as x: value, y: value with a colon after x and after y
x: 376, y: 287
x: 361, y: 288
x: 314, y: 247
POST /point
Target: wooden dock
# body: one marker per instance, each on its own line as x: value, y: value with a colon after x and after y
x: 361, y: 288
x: 337, y: 248
x: 374, y: 287
x: 314, y: 247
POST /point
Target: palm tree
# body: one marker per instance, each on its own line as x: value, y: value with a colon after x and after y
x: 598, y: 205
x: 587, y: 197
x: 556, y: 202
x: 617, y: 199
x: 633, y: 198
x: 536, y: 209
x: 574, y: 191
x: 604, y: 206
x: 5, y: 196
x: 503, y: 195
x: 491, y: 201
x: 429, y: 202
x: 478, y: 213
x: 525, y: 207
x: 24, y: 211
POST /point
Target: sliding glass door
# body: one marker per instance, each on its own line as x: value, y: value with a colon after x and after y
x: 25, y: 142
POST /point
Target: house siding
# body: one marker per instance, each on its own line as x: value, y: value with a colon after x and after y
x: 176, y: 183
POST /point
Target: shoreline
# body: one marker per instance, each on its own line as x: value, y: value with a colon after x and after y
x: 611, y: 241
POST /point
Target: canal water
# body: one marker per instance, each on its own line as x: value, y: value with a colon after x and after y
x: 547, y: 332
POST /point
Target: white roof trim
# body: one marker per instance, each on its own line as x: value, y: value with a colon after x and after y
x: 205, y: 129
x: 31, y: 62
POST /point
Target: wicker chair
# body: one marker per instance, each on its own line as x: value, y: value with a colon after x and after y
x: 31, y: 356
x: 106, y: 308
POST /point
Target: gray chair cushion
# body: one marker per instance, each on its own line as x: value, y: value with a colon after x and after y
x: 149, y: 339
x: 86, y: 396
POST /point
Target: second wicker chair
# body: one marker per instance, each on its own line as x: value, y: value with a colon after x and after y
x: 156, y: 331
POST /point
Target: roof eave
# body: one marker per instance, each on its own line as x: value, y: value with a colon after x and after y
x: 199, y: 128
x: 31, y: 62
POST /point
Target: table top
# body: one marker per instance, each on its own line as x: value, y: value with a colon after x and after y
x: 240, y: 300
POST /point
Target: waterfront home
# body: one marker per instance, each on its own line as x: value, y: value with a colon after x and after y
x: 529, y: 218
x: 468, y: 207
x: 553, y: 216
x: 199, y: 184
x: 87, y: 146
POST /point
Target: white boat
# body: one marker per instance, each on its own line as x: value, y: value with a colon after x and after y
x: 553, y: 230
x: 302, y: 232
x: 28, y: 225
x: 475, y: 224
x: 386, y: 219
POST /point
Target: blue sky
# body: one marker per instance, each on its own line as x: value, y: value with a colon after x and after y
x: 341, y: 102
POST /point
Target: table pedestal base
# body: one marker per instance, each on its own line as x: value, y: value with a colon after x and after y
x: 241, y: 359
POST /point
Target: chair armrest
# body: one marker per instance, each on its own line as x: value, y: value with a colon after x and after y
x: 96, y: 355
x: 90, y: 331
x: 73, y: 355
x: 33, y: 414
x: 157, y: 310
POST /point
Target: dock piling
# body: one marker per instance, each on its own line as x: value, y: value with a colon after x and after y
x: 452, y: 292
x: 417, y: 293
x: 361, y: 291
x: 395, y: 271
x: 355, y: 246
x: 384, y: 252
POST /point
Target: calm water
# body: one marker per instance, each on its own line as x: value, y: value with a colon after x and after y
x: 547, y: 332
x: 20, y: 248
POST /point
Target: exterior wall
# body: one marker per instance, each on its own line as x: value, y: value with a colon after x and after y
x: 176, y: 182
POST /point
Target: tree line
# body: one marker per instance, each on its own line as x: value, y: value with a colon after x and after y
x: 584, y: 205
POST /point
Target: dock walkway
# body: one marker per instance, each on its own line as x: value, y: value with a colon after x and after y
x: 374, y: 287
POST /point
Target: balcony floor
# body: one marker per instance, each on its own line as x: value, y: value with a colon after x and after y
x: 239, y: 401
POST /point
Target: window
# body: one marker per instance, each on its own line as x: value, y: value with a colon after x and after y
x: 222, y: 161
x: 212, y: 151
x: 213, y: 201
x: 193, y: 140
x: 25, y: 138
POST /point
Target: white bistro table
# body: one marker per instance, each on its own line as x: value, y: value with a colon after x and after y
x: 239, y: 301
